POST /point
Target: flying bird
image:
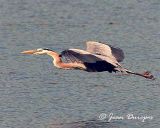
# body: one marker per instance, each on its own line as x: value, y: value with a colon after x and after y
x: 97, y: 57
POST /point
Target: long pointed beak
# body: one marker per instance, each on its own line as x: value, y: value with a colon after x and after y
x: 29, y: 52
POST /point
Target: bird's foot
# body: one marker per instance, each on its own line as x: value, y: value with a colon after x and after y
x: 148, y: 75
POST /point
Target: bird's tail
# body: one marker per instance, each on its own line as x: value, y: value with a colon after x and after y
x: 145, y: 74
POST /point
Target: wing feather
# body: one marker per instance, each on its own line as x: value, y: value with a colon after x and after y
x: 94, y: 63
x: 77, y: 55
x: 105, y: 50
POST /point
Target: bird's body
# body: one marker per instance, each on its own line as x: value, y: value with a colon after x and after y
x: 98, y: 57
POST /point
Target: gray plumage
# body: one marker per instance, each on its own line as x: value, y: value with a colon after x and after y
x: 105, y: 50
x: 98, y: 57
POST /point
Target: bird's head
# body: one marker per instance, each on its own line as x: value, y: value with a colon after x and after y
x: 38, y: 51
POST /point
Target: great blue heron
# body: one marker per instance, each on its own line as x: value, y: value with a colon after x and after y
x: 97, y: 57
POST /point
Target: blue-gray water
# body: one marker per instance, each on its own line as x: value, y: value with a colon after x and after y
x: 34, y: 94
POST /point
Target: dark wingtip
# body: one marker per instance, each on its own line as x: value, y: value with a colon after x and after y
x: 118, y: 53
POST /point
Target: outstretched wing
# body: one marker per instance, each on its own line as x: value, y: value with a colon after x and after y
x: 92, y: 62
x: 79, y: 56
x: 105, y: 50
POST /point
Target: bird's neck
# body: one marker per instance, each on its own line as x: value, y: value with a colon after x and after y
x: 57, y: 61
x: 56, y: 58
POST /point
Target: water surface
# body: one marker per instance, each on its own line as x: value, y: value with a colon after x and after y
x: 34, y: 94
